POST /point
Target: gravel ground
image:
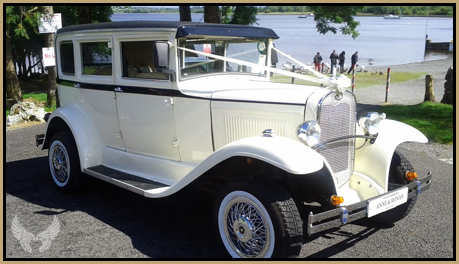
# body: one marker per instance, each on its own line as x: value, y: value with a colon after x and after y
x: 411, y: 92
x: 408, y: 93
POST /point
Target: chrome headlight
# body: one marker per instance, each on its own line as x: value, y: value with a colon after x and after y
x: 369, y: 122
x: 309, y: 133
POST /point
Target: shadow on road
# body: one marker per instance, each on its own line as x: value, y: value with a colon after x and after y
x: 179, y: 226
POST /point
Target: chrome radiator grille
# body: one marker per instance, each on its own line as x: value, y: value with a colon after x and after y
x: 337, y: 119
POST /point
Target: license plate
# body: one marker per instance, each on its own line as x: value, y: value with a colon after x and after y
x: 387, y: 201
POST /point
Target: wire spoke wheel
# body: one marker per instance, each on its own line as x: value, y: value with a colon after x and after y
x: 60, y: 163
x: 246, y: 227
x: 64, y: 163
x: 258, y: 220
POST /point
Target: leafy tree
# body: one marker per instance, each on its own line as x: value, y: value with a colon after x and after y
x: 83, y: 14
x: 326, y: 16
x: 244, y: 15
x: 16, y: 18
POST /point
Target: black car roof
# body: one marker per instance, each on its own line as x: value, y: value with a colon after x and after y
x: 184, y: 29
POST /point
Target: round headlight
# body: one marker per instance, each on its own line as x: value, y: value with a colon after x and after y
x: 309, y: 133
x: 369, y: 122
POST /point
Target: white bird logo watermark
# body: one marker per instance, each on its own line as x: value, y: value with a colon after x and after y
x: 25, y: 237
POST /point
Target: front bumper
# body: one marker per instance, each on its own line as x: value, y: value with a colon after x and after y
x: 350, y: 213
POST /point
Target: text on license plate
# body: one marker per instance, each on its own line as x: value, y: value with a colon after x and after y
x: 388, y: 201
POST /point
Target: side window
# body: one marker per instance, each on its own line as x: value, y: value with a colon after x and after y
x: 138, y: 61
x: 96, y: 58
x: 67, y: 59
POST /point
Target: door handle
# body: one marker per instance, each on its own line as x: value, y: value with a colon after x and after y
x: 77, y: 85
x: 118, y: 89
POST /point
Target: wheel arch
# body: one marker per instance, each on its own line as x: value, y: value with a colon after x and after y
x: 283, y: 160
x: 72, y: 118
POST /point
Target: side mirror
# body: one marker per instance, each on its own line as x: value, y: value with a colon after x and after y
x: 161, y: 58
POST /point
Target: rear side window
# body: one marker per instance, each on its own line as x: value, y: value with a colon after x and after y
x: 138, y: 61
x: 67, y: 59
x: 96, y: 58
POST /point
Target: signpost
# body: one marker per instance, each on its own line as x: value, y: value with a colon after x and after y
x: 48, y: 57
x: 50, y: 23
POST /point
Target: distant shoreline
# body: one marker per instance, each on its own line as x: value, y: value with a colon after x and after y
x: 297, y: 13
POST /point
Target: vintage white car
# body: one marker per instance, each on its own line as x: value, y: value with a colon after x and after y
x: 154, y: 106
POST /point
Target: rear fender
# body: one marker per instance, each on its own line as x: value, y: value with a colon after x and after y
x: 374, y: 160
x: 87, y: 138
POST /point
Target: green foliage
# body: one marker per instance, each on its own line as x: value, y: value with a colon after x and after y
x: 363, y: 79
x: 22, y: 21
x: 435, y: 120
x: 327, y: 16
x: 244, y: 15
x: 73, y: 15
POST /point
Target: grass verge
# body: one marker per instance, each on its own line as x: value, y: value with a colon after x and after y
x: 362, y: 79
x: 435, y: 120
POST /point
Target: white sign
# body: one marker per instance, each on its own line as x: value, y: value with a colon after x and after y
x: 48, y: 57
x: 50, y: 23
x: 207, y: 48
x: 388, y: 201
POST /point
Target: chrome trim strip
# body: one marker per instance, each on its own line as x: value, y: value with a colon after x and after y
x: 344, y: 138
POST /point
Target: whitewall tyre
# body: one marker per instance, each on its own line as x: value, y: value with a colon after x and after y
x: 64, y: 162
x: 258, y: 220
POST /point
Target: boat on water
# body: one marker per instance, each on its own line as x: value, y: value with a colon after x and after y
x: 393, y: 16
x: 390, y: 16
x: 303, y: 15
x: 310, y: 15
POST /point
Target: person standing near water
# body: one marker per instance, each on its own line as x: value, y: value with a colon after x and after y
x: 317, y: 61
x: 342, y: 58
x: 334, y: 61
x: 354, y: 60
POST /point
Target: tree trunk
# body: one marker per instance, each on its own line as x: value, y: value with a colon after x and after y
x: 48, y: 42
x: 13, y: 89
x: 211, y: 14
x: 84, y: 14
x: 429, y: 95
x: 449, y: 96
x: 185, y: 13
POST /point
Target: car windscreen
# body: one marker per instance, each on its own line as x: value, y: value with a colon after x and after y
x: 198, y: 60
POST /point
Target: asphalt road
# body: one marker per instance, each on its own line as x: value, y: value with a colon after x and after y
x: 105, y: 221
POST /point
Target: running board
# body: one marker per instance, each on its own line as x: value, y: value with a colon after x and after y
x: 124, y: 180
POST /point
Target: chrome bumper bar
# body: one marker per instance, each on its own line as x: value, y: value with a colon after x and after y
x: 350, y: 213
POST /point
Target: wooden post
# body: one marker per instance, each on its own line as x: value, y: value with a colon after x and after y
x: 353, y: 79
x: 387, y: 84
x: 429, y: 95
x: 293, y: 70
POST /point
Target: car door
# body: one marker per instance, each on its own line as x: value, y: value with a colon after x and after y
x: 95, y: 80
x: 144, y: 99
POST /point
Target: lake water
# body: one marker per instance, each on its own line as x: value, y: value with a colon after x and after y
x: 385, y: 41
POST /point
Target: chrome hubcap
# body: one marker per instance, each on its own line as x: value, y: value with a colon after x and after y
x: 246, y: 229
x: 60, y: 163
x: 243, y: 229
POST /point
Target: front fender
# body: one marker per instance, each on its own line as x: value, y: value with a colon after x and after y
x: 285, y: 153
x: 87, y: 138
x: 374, y: 160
